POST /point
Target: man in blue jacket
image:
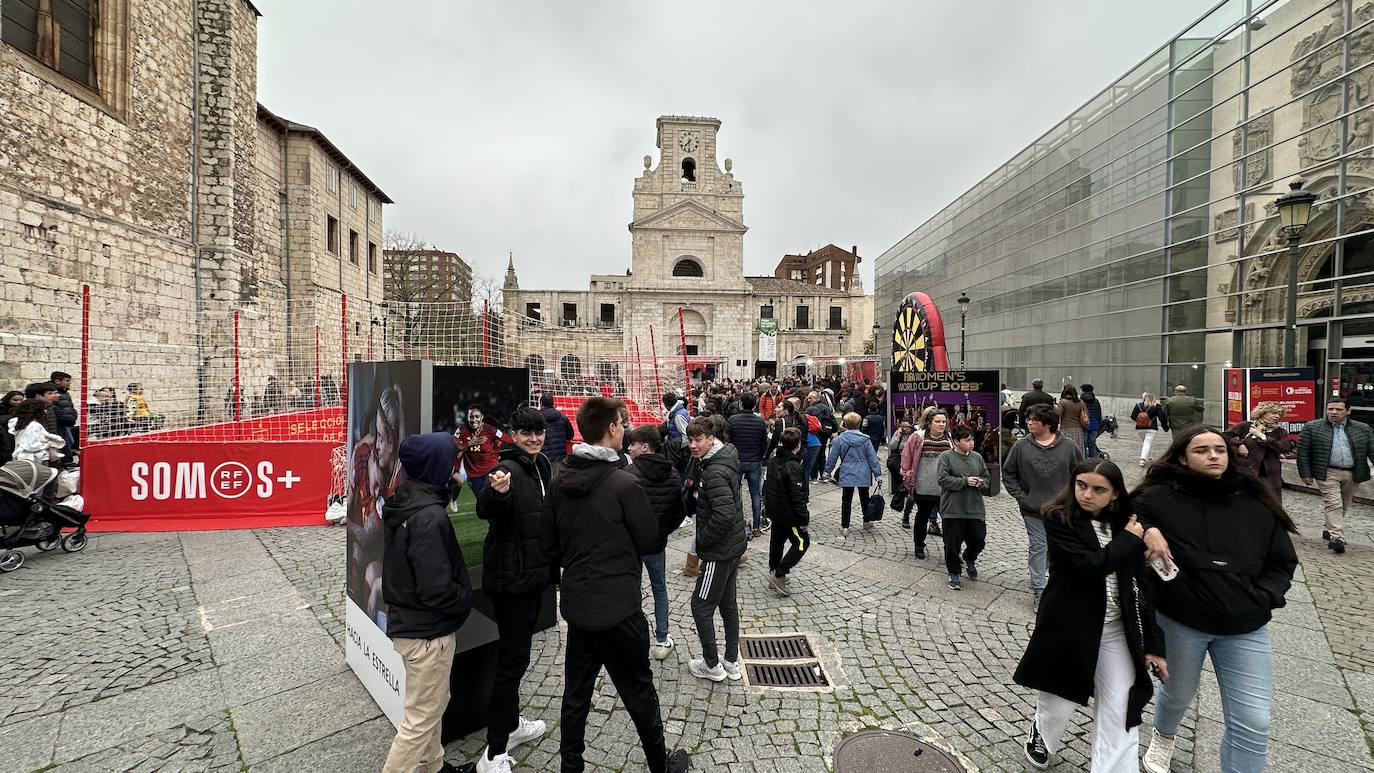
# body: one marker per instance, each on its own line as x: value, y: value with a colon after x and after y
x: 748, y: 432
x: 558, y: 432
x: 428, y: 594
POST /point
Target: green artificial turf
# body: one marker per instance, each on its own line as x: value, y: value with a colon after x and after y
x: 469, y: 529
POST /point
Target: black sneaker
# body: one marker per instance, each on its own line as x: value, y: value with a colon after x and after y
x: 1337, y: 544
x: 1036, y: 753
x: 1326, y: 535
x: 954, y: 582
x: 934, y: 530
x: 972, y: 571
x: 679, y: 762
x: 906, y: 522
x: 921, y: 552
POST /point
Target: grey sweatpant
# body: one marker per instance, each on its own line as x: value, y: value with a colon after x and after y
x: 1039, y: 550
x: 716, y: 588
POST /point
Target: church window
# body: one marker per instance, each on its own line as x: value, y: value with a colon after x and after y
x: 766, y: 312
x: 532, y: 311
x: 689, y: 170
x: 59, y: 34
x: 687, y: 267
x: 836, y: 318
x: 570, y: 365
x: 608, y: 315
x: 803, y: 317
x: 570, y: 314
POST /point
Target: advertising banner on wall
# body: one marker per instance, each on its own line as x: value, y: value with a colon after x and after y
x: 161, y: 486
x: 1294, y: 389
x: 965, y: 396
x: 768, y: 340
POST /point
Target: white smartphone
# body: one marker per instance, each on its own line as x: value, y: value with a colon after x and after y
x: 1165, y: 571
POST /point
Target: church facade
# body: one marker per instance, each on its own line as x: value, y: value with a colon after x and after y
x: 687, y: 252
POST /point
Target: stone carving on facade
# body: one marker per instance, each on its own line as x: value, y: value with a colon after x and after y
x: 1258, y: 133
x: 1316, y: 61
x: 1226, y: 224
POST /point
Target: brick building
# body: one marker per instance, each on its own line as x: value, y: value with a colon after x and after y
x: 427, y: 276
x: 98, y: 187
x: 830, y: 266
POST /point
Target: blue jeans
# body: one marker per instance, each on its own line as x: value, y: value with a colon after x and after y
x: 1245, y: 676
x: 1090, y: 444
x: 656, y: 566
x: 477, y: 482
x: 753, y: 472
x: 809, y: 462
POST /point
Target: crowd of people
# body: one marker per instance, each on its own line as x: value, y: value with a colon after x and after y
x: 1133, y: 589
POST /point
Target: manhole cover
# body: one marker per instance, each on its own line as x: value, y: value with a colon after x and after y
x: 791, y: 647
x: 777, y: 675
x: 880, y: 751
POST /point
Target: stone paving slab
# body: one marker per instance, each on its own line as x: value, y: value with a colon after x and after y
x: 221, y: 651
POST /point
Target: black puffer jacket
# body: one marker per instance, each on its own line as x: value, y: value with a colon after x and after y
x: 424, y: 578
x: 749, y: 436
x: 720, y: 519
x: 660, y: 481
x: 512, y: 562
x: 557, y: 432
x: 784, y: 491
x: 63, y: 410
x: 1235, y: 559
x: 598, y: 524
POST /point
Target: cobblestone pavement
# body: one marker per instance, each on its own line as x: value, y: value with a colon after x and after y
x: 221, y: 651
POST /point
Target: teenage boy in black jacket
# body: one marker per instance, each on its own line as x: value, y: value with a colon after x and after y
x: 721, y: 541
x: 428, y: 595
x: 659, y: 478
x: 515, y: 576
x: 597, y: 525
x: 784, y: 491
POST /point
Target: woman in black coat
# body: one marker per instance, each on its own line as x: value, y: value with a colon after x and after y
x: 1229, y: 540
x: 1095, y: 634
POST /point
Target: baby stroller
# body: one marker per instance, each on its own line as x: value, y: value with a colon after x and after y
x: 1108, y: 426
x: 27, y: 519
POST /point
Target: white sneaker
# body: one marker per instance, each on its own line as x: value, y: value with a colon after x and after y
x: 1160, y: 753
x: 661, y: 649
x: 731, y: 670
x: 502, y: 763
x: 697, y: 667
x: 528, y: 730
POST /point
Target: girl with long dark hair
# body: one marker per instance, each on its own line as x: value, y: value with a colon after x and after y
x: 1229, y: 540
x: 1095, y: 634
x: 920, y: 475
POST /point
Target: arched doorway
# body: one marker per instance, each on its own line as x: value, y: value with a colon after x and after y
x: 694, y: 331
x: 570, y: 366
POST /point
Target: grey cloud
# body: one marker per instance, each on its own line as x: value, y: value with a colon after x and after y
x: 519, y: 126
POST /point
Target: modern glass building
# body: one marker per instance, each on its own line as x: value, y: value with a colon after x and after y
x: 1136, y: 246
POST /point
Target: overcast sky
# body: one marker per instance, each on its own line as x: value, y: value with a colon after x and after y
x: 511, y: 126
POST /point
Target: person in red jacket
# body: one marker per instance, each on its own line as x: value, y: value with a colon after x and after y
x: 479, y: 448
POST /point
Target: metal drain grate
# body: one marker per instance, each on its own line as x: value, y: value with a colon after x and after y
x: 778, y: 675
x: 776, y: 648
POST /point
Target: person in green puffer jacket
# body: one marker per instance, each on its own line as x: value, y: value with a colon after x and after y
x: 721, y: 541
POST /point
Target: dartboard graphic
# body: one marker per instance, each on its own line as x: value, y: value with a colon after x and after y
x: 918, y: 336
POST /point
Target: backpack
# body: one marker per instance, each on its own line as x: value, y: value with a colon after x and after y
x: 1143, y: 420
x: 813, y: 424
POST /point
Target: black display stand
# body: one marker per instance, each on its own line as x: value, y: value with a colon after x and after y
x: 474, y: 661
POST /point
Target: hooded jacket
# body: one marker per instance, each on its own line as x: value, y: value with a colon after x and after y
x: 660, y: 481
x: 598, y: 523
x: 858, y: 462
x: 424, y: 578
x: 1034, y: 474
x: 1094, y: 407
x: 558, y: 433
x: 512, y: 561
x: 720, y: 518
x: 784, y: 491
x: 1235, y: 559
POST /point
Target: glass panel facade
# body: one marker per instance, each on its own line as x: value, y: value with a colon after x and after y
x: 1136, y: 246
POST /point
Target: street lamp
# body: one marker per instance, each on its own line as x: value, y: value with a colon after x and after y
x: 963, y: 318
x: 1295, y: 210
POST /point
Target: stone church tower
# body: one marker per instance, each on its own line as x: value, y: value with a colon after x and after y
x: 687, y: 242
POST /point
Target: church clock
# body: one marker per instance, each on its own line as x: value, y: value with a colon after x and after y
x: 688, y: 142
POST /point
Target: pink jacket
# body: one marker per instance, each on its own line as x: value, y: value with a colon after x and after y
x: 911, y: 459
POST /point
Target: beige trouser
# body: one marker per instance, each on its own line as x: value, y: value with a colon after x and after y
x: 1338, y: 491
x: 416, y: 748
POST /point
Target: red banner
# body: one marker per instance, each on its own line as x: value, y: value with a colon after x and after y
x: 176, y: 486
